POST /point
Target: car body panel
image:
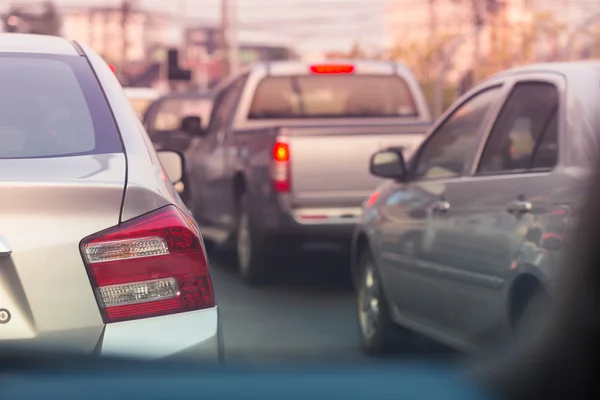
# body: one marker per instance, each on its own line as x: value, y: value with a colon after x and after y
x: 453, y: 276
x: 328, y: 183
x: 48, y: 205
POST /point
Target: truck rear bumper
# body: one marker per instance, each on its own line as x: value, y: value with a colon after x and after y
x: 316, y: 225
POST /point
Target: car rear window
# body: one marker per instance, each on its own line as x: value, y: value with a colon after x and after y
x: 331, y: 96
x: 52, y: 106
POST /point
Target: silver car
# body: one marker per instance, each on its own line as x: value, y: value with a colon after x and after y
x: 98, y: 254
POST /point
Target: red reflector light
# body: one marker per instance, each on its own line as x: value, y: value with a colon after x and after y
x: 373, y: 198
x: 332, y: 69
x: 281, y: 167
x: 152, y: 265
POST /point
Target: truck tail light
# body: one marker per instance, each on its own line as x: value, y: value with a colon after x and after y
x: 149, y: 266
x: 281, y: 167
x: 332, y: 69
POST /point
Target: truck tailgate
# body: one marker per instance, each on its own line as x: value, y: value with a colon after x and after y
x: 330, y: 165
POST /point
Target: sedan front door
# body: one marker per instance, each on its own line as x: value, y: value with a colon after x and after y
x: 412, y: 213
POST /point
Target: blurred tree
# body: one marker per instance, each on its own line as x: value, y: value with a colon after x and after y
x: 356, y: 51
x: 50, y: 21
x: 46, y: 23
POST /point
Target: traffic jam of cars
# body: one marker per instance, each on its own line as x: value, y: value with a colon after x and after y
x: 452, y: 228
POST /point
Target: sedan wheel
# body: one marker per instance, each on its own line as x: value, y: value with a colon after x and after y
x: 368, y: 303
x: 372, y: 310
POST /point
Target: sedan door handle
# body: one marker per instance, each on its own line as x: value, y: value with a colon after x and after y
x: 441, y: 206
x: 519, y: 207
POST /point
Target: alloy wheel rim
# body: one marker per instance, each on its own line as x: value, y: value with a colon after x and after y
x: 368, y: 303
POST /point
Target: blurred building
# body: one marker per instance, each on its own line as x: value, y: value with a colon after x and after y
x: 102, y: 29
x: 149, y: 34
x: 202, y: 54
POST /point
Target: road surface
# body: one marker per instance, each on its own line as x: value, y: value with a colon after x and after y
x: 308, y: 314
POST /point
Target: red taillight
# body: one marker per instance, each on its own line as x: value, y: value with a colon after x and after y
x: 281, y: 152
x: 112, y: 68
x: 281, y: 166
x: 332, y: 69
x: 152, y: 265
x: 373, y: 198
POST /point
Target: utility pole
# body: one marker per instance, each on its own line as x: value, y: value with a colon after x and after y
x: 478, y: 21
x: 229, y: 48
x: 433, y: 22
x: 225, y: 52
x: 125, y: 12
x: 233, y: 43
x: 438, y: 94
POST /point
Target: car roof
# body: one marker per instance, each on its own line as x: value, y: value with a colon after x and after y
x: 562, y: 67
x: 188, y: 95
x: 41, y: 44
x: 300, y: 67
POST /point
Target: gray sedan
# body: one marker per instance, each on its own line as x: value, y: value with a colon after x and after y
x: 463, y: 242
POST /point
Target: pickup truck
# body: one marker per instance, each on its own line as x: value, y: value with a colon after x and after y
x: 284, y: 160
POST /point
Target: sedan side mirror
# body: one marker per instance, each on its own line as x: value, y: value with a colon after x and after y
x: 192, y: 125
x: 172, y: 163
x: 388, y: 164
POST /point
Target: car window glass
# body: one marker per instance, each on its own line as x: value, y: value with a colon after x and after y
x: 525, y: 118
x: 52, y: 106
x: 444, y: 155
x: 223, y: 112
x: 332, y: 96
x: 171, y: 111
x: 546, y: 155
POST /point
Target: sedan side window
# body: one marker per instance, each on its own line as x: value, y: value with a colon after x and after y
x: 454, y: 142
x: 526, y: 126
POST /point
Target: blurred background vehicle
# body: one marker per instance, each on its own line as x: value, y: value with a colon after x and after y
x: 89, y: 261
x: 464, y: 242
x: 141, y: 98
x: 284, y: 160
x: 164, y: 117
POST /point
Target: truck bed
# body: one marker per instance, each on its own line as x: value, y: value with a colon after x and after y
x: 330, y: 164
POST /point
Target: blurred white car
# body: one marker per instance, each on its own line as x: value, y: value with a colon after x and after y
x: 141, y: 98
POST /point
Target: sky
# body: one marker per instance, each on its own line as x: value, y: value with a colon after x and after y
x: 307, y: 25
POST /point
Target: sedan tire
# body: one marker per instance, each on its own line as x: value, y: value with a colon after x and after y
x: 374, y: 320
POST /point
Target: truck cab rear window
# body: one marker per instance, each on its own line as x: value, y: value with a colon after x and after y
x: 52, y: 106
x: 332, y: 96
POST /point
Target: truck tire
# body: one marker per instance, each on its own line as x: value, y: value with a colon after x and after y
x: 374, y: 320
x: 252, y: 249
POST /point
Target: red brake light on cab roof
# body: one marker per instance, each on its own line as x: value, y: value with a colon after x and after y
x: 152, y: 265
x: 332, y: 69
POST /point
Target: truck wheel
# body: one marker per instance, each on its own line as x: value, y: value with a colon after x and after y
x: 251, y: 246
x: 374, y: 321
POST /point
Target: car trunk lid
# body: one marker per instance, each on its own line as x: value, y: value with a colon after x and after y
x: 47, y: 206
